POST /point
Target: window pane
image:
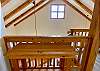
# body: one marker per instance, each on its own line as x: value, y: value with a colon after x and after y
x: 54, y: 8
x: 61, y: 8
x: 60, y: 14
x: 53, y: 14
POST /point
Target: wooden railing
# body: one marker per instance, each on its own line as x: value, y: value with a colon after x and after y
x: 20, y: 52
x: 79, y: 32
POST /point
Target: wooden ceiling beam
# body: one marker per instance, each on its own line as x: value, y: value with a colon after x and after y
x: 84, y: 7
x: 68, y: 3
x: 17, y: 10
x: 24, y: 14
x: 33, y: 12
x: 4, y: 2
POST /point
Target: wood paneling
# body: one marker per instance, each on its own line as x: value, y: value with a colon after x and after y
x: 76, y: 9
x: 83, y: 6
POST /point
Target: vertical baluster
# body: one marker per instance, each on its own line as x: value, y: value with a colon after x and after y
x: 41, y: 63
x: 62, y: 63
x: 8, y: 45
x: 20, y: 64
x: 75, y: 33
x: 58, y: 62
x: 85, y: 33
x: 78, y: 33
x: 71, y: 32
x: 53, y: 62
x: 80, y: 53
x: 35, y: 63
x: 13, y: 44
x: 24, y: 64
x: 82, y: 34
x: 29, y: 61
x: 48, y: 63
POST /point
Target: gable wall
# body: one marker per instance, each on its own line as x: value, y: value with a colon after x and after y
x: 47, y: 26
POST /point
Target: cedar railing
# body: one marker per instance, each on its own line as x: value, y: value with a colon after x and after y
x: 20, y: 52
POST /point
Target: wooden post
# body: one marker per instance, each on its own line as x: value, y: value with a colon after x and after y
x: 94, y: 43
x: 62, y: 60
x: 24, y: 64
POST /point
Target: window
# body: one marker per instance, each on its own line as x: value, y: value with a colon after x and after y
x: 57, y: 11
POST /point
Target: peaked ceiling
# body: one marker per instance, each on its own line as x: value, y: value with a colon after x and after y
x: 25, y: 8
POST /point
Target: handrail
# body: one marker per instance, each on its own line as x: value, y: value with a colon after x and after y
x: 44, y: 43
x: 79, y: 32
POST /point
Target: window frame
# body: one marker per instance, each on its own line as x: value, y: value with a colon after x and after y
x: 57, y: 11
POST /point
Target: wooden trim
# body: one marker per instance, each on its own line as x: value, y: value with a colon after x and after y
x: 43, y: 38
x: 17, y: 10
x: 22, y: 15
x: 84, y: 7
x: 77, y: 10
x: 4, y: 2
x: 32, y: 13
x: 80, y: 30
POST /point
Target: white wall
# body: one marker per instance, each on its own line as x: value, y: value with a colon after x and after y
x: 47, y: 26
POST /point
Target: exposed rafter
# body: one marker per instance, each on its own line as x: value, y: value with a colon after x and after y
x: 68, y: 3
x: 4, y: 2
x: 84, y: 7
x: 25, y: 13
x: 32, y: 13
x: 17, y: 10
